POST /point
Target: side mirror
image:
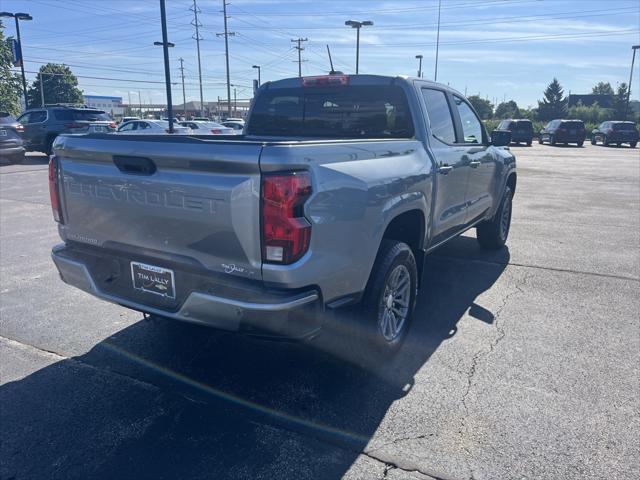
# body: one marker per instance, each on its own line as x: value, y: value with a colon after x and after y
x: 500, y: 138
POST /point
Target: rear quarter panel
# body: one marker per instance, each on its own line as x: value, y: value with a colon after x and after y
x: 358, y: 188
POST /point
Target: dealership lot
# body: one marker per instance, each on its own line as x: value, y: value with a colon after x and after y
x: 521, y: 363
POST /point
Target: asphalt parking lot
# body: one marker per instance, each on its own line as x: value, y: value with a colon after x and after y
x: 521, y: 364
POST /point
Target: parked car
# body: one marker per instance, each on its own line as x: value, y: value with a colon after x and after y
x: 200, y: 119
x: 521, y: 130
x: 11, y: 144
x: 151, y: 127
x: 617, y: 132
x: 128, y: 119
x: 43, y: 125
x: 264, y: 234
x: 563, y: 131
x: 208, y: 128
x: 237, y: 126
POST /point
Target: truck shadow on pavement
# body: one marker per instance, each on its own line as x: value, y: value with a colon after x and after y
x: 161, y: 399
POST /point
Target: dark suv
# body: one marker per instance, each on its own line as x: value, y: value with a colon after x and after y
x: 563, y: 131
x: 11, y: 145
x: 43, y: 125
x: 617, y: 132
x: 521, y: 130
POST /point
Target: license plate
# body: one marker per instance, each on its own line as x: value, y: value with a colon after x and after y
x: 98, y: 129
x: 152, y: 279
x: 3, y: 133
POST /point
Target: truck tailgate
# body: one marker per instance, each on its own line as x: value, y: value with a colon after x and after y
x: 186, y: 200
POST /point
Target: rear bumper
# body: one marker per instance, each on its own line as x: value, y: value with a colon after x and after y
x: 264, y: 313
x: 11, y: 151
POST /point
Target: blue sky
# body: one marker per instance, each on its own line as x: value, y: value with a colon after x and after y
x: 498, y: 48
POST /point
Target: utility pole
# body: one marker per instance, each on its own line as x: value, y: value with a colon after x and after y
x: 235, y: 103
x: 167, y: 69
x: 129, y: 94
x: 140, y: 103
x: 435, y: 76
x: 17, y: 17
x: 184, y: 96
x: 226, y: 35
x: 633, y: 59
x: 197, y: 38
x: 299, y: 47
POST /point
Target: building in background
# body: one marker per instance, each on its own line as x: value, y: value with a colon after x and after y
x: 112, y: 105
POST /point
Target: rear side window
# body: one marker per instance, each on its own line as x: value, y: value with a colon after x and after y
x: 439, y: 113
x: 471, y: 125
x: 68, y: 115
x: 376, y: 111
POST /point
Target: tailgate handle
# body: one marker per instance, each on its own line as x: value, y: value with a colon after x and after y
x: 134, y: 165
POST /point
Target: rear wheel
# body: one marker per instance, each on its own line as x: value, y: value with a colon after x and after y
x: 49, y: 145
x: 552, y: 140
x: 529, y: 143
x: 605, y: 141
x: 581, y: 143
x: 633, y: 144
x: 379, y: 324
x: 540, y: 141
x: 593, y: 140
x: 493, y: 234
x: 618, y: 144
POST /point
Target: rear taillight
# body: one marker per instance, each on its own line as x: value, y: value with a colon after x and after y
x: 20, y: 128
x: 285, y: 231
x: 113, y: 125
x: 216, y: 131
x: 54, y: 191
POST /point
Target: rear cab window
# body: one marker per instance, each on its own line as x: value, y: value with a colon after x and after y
x: 439, y: 113
x: 351, y: 111
x: 68, y: 115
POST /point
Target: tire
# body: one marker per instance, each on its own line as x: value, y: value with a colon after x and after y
x: 580, y: 143
x: 368, y: 339
x: 618, y: 144
x: 540, y: 141
x: 529, y: 143
x: 593, y: 140
x: 12, y: 159
x: 552, y: 140
x: 633, y: 144
x: 605, y: 141
x: 492, y: 234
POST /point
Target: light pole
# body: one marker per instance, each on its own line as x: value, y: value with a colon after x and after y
x: 419, y: 57
x: 167, y: 71
x: 17, y: 17
x: 633, y: 59
x: 258, y: 67
x: 358, y: 26
x: 435, y: 75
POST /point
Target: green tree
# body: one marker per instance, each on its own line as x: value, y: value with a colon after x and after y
x: 620, y: 101
x: 553, y: 105
x: 9, y: 81
x: 507, y: 110
x: 602, y: 88
x: 59, y: 85
x: 591, y: 114
x: 482, y: 106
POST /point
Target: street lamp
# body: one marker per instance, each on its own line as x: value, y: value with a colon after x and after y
x: 17, y: 17
x: 258, y: 67
x: 419, y: 57
x: 633, y: 59
x: 165, y: 43
x: 358, y: 26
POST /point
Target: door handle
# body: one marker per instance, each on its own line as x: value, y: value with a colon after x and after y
x: 474, y: 164
x: 445, y: 169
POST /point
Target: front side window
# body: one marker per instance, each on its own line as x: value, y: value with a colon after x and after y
x: 439, y: 114
x: 471, y: 125
x: 127, y: 127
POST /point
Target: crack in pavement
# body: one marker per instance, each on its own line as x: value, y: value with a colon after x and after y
x: 475, y: 361
x: 392, y: 463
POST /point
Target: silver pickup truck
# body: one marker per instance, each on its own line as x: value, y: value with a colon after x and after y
x: 337, y: 190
